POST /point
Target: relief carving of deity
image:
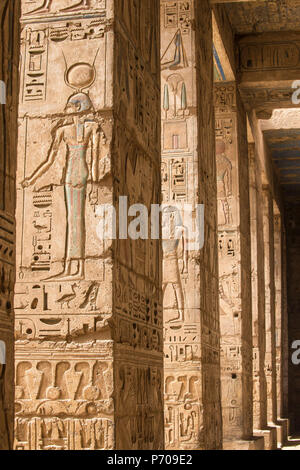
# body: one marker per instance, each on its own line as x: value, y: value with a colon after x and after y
x: 172, y: 223
x: 224, y: 181
x: 79, y: 132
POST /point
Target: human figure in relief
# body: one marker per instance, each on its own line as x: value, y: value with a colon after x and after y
x: 78, y: 133
x: 224, y: 180
x: 173, y: 232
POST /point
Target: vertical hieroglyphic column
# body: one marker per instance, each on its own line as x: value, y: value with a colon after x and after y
x: 258, y: 293
x: 9, y: 57
x: 234, y: 267
x: 270, y: 360
x: 191, y: 324
x: 88, y: 314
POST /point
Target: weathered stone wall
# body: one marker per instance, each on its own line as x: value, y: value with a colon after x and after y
x: 191, y: 314
x: 9, y: 55
x: 234, y: 263
x: 88, y: 309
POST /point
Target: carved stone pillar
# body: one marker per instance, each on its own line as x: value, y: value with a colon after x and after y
x: 9, y: 57
x: 258, y: 294
x: 280, y: 323
x: 270, y: 361
x: 191, y: 314
x: 260, y: 421
x: 89, y: 353
x: 285, y: 335
x: 234, y: 269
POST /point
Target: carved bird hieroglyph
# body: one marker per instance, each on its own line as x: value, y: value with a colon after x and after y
x: 67, y: 298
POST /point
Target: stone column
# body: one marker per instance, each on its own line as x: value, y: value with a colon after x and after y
x: 234, y: 269
x: 191, y: 314
x: 9, y: 57
x: 280, y: 324
x: 270, y: 361
x: 260, y: 421
x: 258, y: 294
x: 89, y: 353
x: 285, y: 333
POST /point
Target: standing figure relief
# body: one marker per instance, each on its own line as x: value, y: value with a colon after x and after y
x: 173, y: 224
x: 224, y: 180
x: 79, y: 132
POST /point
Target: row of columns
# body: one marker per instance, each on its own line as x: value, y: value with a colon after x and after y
x: 253, y: 319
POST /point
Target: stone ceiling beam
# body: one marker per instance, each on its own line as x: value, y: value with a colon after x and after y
x: 268, y: 64
x: 269, y: 57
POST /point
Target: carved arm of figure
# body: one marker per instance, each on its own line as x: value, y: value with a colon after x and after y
x: 46, y: 164
x: 184, y: 237
x: 228, y: 180
x: 95, y: 137
x: 185, y: 251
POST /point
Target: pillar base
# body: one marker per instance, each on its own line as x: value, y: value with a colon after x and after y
x: 270, y: 437
x: 282, y: 426
x: 257, y: 443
